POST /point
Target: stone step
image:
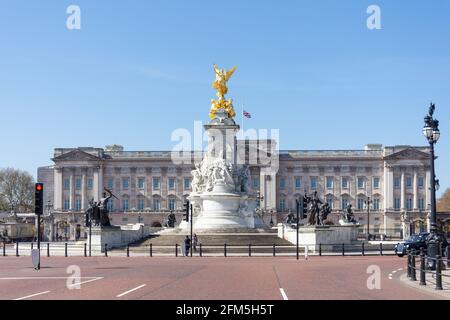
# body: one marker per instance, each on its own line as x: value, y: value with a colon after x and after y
x: 267, y: 239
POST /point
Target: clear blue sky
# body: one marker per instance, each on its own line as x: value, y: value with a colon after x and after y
x: 137, y: 70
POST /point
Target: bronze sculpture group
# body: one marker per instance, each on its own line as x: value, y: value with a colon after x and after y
x: 97, y: 214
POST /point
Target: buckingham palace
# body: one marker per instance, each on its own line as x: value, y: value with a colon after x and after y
x: 148, y: 185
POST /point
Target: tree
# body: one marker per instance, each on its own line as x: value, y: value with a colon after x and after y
x: 16, y: 190
x: 444, y: 202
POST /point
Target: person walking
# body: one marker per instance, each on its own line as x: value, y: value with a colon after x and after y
x: 194, y: 242
x: 187, y: 246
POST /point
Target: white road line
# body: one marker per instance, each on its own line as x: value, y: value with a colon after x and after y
x: 395, y: 271
x: 283, y: 294
x: 400, y: 269
x: 87, y: 281
x: 129, y: 291
x: 32, y: 295
x: 44, y: 278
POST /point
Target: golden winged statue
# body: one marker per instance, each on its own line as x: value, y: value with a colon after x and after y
x: 220, y: 84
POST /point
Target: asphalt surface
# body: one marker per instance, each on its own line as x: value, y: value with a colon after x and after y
x: 341, y: 278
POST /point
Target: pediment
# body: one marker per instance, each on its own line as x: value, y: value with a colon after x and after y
x: 408, y: 154
x: 76, y: 155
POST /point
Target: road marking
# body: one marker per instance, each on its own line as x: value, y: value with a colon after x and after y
x: 129, y: 291
x: 32, y: 295
x: 87, y: 281
x: 283, y: 294
x: 43, y: 278
x: 394, y: 272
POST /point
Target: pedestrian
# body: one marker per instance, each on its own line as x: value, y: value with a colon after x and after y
x: 187, y: 245
x: 194, y: 242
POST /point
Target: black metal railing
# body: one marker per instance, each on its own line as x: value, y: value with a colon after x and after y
x: 440, y: 263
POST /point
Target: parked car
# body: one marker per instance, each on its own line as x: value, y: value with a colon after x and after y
x: 415, y: 242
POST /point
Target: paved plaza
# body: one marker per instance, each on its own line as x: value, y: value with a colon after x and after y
x: 139, y: 278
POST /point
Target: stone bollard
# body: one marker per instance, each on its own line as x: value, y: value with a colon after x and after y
x: 408, y: 268
x: 225, y: 250
x: 85, y: 249
x: 65, y: 249
x: 381, y: 249
x: 128, y: 251
x: 343, y: 249
x: 363, y: 253
x: 320, y: 249
x: 438, y: 268
x: 151, y: 250
x: 106, y: 249
x: 176, y: 249
x: 249, y: 250
x: 17, y: 248
x: 274, y: 250
x: 48, y: 249
x: 4, y: 249
x: 201, y: 252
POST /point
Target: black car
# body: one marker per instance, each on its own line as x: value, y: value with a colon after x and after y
x: 415, y: 242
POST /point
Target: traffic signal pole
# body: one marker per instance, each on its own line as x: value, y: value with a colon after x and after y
x: 39, y: 209
x: 192, y: 225
x: 298, y: 220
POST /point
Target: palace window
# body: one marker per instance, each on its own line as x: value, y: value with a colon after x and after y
x: 256, y: 183
x: 330, y: 201
x: 282, y: 183
x: 409, y: 182
x: 376, y: 183
x: 66, y: 204
x: 187, y: 183
x: 397, y: 203
x: 141, y: 204
x: 361, y: 183
x: 141, y: 183
x: 90, y: 183
x: 125, y: 205
x: 171, y: 183
x: 409, y: 203
x: 77, y: 205
x: 344, y: 203
x: 421, y: 203
x: 397, y: 182
x: 376, y: 204
x: 313, y: 183
x: 156, y: 204
x: 125, y: 183
x: 344, y: 183
x: 171, y: 204
x: 329, y: 183
x: 282, y: 206
x: 361, y: 204
x: 420, y: 182
x: 78, y: 184
x: 156, y: 183
x: 110, y: 183
x: 66, y: 184
x: 298, y: 183
x: 110, y: 205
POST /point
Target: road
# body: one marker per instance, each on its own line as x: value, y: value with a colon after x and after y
x: 342, y: 278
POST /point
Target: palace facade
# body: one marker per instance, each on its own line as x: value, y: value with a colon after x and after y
x: 148, y: 185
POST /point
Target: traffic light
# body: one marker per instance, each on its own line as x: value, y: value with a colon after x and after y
x: 39, y: 198
x: 186, y: 211
x: 304, y: 206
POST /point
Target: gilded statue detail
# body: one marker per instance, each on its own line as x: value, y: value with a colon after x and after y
x: 220, y: 84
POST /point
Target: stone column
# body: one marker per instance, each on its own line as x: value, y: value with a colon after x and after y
x: 72, y: 190
x: 402, y: 191
x: 100, y: 182
x: 83, y: 190
x: 388, y: 188
x: 58, y: 189
x: 416, y: 191
x: 96, y: 185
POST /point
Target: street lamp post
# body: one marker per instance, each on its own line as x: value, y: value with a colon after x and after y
x: 368, y: 202
x: 432, y: 133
